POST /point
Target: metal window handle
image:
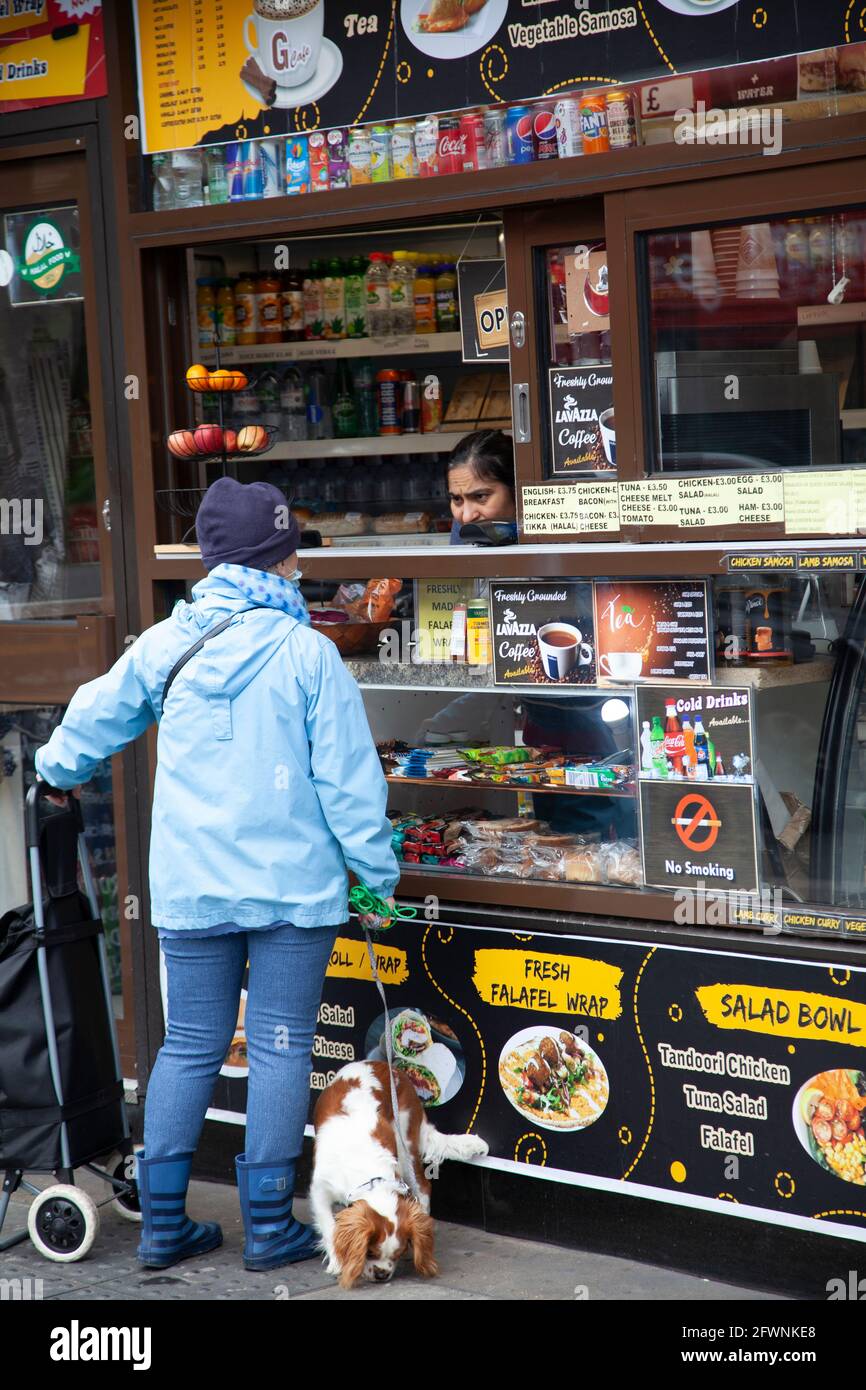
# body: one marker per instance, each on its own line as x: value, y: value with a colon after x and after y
x: 518, y: 329
x: 106, y: 514
x: 520, y: 412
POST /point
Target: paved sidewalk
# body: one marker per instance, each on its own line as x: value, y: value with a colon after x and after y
x: 473, y: 1265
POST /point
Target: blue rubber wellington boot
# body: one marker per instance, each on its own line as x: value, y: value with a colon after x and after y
x: 167, y: 1234
x: 273, y: 1236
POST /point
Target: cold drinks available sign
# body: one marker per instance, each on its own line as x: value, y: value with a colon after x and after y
x: 582, y: 428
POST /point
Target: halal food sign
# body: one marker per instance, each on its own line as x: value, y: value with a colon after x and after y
x: 41, y: 261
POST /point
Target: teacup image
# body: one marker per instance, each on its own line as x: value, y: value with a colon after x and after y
x: 621, y: 666
x: 285, y: 37
x: 607, y: 426
x: 562, y: 648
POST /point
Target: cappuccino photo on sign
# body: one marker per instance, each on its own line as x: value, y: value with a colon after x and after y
x: 290, y: 61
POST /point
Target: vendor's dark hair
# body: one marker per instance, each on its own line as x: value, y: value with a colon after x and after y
x: 490, y: 455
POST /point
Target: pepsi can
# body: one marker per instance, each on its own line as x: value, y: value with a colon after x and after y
x: 544, y: 130
x: 235, y: 172
x: 253, y: 178
x: 519, y: 135
x: 273, y: 180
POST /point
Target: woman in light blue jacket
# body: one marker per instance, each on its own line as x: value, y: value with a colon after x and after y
x: 268, y: 787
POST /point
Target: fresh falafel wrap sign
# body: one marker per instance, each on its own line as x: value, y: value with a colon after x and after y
x: 725, y: 1081
x: 213, y: 71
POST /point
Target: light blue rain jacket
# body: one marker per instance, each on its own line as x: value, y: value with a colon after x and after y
x: 268, y: 783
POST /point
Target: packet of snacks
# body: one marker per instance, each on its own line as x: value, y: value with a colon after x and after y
x: 376, y: 603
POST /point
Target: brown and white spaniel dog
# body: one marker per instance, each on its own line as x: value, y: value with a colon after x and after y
x: 356, y: 1169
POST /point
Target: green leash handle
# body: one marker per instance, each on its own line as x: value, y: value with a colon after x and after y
x: 369, y: 904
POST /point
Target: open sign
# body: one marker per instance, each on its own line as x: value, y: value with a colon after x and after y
x: 491, y: 320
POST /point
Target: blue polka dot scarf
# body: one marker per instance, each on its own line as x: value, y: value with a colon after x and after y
x: 268, y: 590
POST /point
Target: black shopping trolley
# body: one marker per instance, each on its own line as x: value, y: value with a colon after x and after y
x: 61, y: 1089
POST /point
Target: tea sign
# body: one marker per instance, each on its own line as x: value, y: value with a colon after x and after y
x: 650, y: 629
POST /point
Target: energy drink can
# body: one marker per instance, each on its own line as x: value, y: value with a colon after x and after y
x: 544, y: 130
x: 410, y: 411
x: 404, y: 159
x: 427, y: 145
x: 272, y: 169
x: 381, y: 168
x: 519, y: 135
x: 318, y: 151
x: 495, y: 142
x: 253, y: 175
x: 593, y: 123
x: 359, y: 156
x: 338, y: 161
x: 235, y: 172
x: 569, y: 136
x: 297, y: 165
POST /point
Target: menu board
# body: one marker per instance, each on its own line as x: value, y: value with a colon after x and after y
x: 828, y: 503
x: 219, y: 70
x: 557, y: 509
x: 542, y: 633
x: 650, y: 629
x: 725, y: 499
x: 582, y: 427
x: 693, y: 1076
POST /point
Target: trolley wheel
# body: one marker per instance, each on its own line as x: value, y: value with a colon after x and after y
x: 63, y: 1222
x: 126, y: 1204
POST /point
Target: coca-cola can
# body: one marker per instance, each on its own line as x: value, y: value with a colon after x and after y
x: 495, y: 140
x: 569, y: 135
x: 472, y: 130
x: 426, y: 146
x: 451, y: 146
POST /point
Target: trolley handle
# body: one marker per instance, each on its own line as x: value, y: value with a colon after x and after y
x: 73, y: 806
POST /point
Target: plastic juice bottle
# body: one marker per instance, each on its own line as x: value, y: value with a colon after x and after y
x: 314, y: 307
x: 226, y: 313
x: 379, y: 318
x: 269, y: 308
x: 447, y: 313
x: 425, y: 300
x: 657, y: 738
x: 355, y: 297
x: 401, y: 284
x: 674, y: 742
x: 206, y: 310
x: 246, y: 306
x: 293, y: 307
x: 388, y: 392
x: 703, y: 771
x: 334, y: 300
x: 689, y: 743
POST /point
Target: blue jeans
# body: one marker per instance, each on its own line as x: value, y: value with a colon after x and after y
x: 205, y: 976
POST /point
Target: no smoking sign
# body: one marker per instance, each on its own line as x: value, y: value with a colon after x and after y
x: 699, y: 835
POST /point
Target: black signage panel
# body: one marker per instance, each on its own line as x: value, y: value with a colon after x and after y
x: 699, y: 834
x: 582, y: 424
x: 542, y: 632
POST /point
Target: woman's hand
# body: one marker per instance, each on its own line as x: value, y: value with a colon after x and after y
x: 54, y: 795
x: 371, y: 921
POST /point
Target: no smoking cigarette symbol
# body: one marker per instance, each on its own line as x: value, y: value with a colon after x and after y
x: 695, y: 814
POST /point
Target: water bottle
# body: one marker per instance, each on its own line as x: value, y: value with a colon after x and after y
x: 162, y: 182
x: 215, y: 175
x: 318, y: 405
x: 378, y: 296
x: 402, y: 289
x: 294, y: 406
x: 186, y: 168
x: 365, y: 397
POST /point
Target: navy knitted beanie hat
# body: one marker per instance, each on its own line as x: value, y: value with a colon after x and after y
x: 245, y: 524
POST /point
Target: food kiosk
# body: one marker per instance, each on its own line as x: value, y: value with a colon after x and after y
x: 625, y: 754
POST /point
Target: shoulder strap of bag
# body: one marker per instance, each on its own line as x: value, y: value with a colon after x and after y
x: 197, y: 646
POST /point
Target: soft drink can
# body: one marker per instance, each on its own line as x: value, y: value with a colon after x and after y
x: 451, y: 147
x: 475, y: 150
x: 519, y: 135
x: 410, y: 413
x: 593, y: 123
x: 381, y: 170
x: 297, y: 165
x: 318, y: 150
x: 254, y: 179
x: 569, y: 136
x: 621, y: 127
x: 403, y: 156
x: 235, y: 171
x: 495, y: 142
x: 544, y: 130
x: 272, y: 169
x: 359, y: 156
x: 426, y: 146
x: 338, y: 161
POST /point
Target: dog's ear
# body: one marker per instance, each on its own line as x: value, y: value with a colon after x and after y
x: 354, y: 1229
x: 419, y: 1228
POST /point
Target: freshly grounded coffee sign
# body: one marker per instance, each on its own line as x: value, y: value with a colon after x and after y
x: 542, y: 633
x: 582, y: 428
x: 652, y: 630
